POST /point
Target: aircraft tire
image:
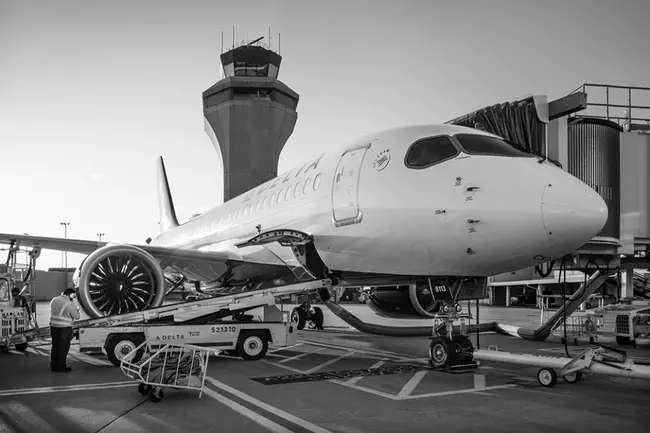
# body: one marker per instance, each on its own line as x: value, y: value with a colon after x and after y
x: 441, y: 353
x: 317, y: 319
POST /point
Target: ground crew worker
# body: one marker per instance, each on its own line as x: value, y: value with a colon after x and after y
x: 63, y: 312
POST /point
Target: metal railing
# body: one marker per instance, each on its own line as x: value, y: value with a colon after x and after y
x: 618, y: 105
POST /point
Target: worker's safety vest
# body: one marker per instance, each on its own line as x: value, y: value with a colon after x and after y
x: 59, y: 317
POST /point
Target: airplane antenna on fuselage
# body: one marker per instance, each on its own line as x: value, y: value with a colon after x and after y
x: 166, y: 210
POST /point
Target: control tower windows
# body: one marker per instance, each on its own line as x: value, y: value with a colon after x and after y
x: 429, y: 151
x: 475, y: 144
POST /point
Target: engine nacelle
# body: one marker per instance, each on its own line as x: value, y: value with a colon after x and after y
x: 416, y: 301
x: 116, y: 279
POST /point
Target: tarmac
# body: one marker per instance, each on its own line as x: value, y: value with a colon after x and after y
x: 323, y: 385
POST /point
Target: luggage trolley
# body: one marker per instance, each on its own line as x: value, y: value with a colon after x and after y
x: 170, y: 365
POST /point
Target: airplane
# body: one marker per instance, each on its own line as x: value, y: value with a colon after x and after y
x: 401, y: 208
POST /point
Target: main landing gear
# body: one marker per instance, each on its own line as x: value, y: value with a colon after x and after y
x: 308, y: 316
x: 448, y: 351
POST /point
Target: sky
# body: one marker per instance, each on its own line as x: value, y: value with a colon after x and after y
x: 91, y: 92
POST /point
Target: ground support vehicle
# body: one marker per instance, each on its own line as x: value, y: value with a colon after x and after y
x: 600, y: 360
x: 244, y: 323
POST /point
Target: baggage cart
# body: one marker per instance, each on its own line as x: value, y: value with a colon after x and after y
x: 171, y: 365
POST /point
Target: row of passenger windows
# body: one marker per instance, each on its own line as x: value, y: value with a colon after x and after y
x: 429, y: 151
x: 284, y: 194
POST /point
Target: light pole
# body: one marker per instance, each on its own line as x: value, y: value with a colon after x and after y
x: 100, y: 236
x: 65, y: 236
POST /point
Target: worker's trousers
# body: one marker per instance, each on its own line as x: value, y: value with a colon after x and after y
x: 61, y: 338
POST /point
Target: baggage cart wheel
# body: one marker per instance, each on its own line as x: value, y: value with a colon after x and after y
x: 252, y: 346
x: 144, y: 389
x: 156, y: 395
x: 547, y: 377
x: 573, y: 377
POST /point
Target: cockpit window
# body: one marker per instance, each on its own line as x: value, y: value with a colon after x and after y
x: 428, y: 151
x: 475, y: 144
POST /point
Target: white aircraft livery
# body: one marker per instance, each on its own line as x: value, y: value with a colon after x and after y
x: 400, y: 207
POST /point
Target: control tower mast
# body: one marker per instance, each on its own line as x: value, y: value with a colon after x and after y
x: 249, y: 116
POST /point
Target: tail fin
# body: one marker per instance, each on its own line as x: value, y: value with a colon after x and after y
x: 167, y: 214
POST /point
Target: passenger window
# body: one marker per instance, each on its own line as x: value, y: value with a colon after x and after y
x: 317, y: 181
x: 475, y: 144
x: 428, y: 151
x: 306, y: 185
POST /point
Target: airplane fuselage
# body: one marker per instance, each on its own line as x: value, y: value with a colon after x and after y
x: 471, y: 214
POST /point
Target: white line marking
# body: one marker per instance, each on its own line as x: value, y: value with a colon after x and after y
x: 537, y: 391
x: 364, y: 389
x: 278, y: 349
x: 460, y: 391
x: 479, y: 381
x: 286, y: 367
x: 91, y: 386
x: 355, y: 380
x: 410, y: 386
x: 267, y: 407
x: 302, y: 355
x: 375, y: 352
x: 243, y: 410
x: 331, y: 361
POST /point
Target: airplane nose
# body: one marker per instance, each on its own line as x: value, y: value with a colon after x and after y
x: 572, y: 212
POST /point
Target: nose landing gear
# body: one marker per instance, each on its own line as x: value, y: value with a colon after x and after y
x: 447, y: 351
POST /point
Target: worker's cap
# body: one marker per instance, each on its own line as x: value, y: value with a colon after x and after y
x: 68, y: 292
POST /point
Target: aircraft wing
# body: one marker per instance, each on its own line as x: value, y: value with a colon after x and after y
x: 167, y: 254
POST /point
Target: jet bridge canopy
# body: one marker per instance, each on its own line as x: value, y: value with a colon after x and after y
x: 521, y: 122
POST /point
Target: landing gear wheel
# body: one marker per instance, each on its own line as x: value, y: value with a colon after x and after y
x: 156, y: 395
x: 547, y: 377
x: 299, y: 315
x: 119, y: 345
x: 463, y: 348
x: 144, y: 389
x: 573, y: 377
x: 440, y: 352
x: 252, y: 346
x: 317, y: 319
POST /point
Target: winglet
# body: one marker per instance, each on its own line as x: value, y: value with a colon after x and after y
x: 167, y: 214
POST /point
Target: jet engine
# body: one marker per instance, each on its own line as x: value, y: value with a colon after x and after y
x: 116, y: 279
x: 416, y: 300
x: 402, y: 302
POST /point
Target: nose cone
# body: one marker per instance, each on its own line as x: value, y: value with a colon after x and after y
x: 572, y: 212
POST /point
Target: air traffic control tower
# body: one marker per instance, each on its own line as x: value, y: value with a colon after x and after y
x: 249, y: 116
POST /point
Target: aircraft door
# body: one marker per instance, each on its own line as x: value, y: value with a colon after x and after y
x: 345, y: 187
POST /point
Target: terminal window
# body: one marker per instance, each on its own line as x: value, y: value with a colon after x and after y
x: 428, y: 151
x: 475, y: 144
